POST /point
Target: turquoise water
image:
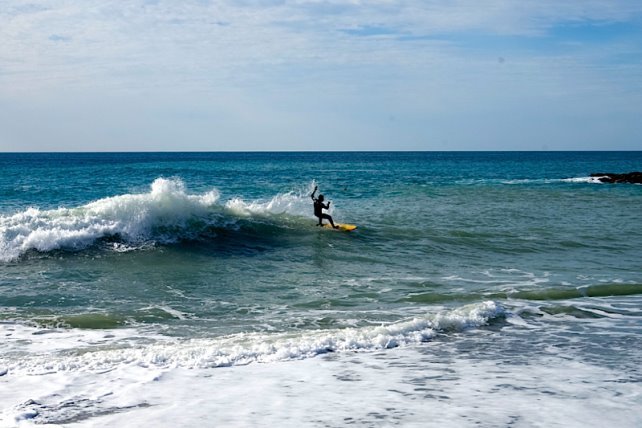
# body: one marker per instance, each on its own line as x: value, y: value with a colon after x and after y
x: 433, y: 228
x: 220, y: 252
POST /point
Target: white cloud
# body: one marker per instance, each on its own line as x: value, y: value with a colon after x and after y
x: 297, y: 68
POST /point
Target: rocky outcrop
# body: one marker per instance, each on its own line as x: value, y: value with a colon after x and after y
x: 609, y: 177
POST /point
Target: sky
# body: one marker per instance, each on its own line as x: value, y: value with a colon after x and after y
x: 161, y: 75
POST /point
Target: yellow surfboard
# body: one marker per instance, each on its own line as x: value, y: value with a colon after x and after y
x: 342, y: 226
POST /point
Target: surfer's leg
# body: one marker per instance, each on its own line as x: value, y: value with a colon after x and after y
x: 330, y: 220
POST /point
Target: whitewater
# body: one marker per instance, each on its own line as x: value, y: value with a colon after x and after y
x: 166, y: 214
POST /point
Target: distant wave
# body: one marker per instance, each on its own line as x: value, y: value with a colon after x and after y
x: 595, y: 180
x: 238, y: 349
x: 165, y: 214
x: 592, y: 180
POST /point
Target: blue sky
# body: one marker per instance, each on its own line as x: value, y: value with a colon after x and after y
x: 90, y: 75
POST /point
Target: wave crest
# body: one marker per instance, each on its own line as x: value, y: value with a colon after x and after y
x: 164, y: 214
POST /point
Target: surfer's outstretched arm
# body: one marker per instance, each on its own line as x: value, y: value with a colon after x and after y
x: 313, y: 192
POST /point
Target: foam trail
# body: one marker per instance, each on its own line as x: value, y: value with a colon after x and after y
x: 132, y: 217
x: 238, y: 349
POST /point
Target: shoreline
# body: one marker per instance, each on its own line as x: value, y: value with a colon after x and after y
x: 421, y: 385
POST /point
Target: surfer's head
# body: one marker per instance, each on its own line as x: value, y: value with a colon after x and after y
x: 321, y: 198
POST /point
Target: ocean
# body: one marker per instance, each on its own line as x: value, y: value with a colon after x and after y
x: 194, y: 289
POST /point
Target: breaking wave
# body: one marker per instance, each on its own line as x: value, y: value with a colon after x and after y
x: 99, y: 353
x: 167, y: 213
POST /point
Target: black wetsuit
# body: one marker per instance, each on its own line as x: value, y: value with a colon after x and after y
x: 319, y: 207
x: 318, y: 210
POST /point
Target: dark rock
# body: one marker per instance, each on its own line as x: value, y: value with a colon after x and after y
x: 609, y: 177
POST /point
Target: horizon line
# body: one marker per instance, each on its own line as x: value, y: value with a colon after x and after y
x: 309, y: 151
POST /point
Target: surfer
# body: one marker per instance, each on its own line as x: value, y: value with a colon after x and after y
x: 319, y: 206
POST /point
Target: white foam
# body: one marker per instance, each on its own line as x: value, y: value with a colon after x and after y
x: 160, y: 215
x: 471, y: 380
x: 582, y: 180
x: 58, y: 351
x: 130, y: 216
x: 411, y: 387
x: 295, y: 203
